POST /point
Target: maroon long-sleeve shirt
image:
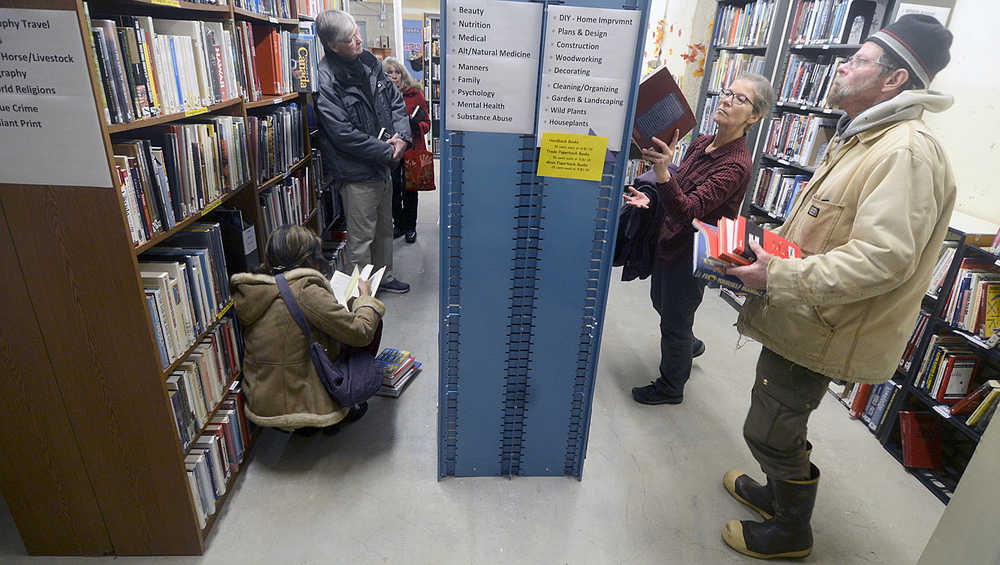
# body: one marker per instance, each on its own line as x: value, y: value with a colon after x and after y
x: 706, y: 186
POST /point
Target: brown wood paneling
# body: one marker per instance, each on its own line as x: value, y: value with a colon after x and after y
x: 42, y: 474
x: 83, y: 282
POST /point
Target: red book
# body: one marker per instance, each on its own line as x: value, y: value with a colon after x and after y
x: 920, y: 433
x: 660, y: 110
x: 267, y: 53
x: 860, y: 400
x: 972, y: 400
x: 727, y: 243
x: 771, y: 242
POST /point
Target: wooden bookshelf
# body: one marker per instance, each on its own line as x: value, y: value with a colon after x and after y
x: 93, y: 464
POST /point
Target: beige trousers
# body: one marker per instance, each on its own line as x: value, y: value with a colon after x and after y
x: 368, y: 210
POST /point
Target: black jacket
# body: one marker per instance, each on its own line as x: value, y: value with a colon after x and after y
x: 349, y: 124
x: 638, y: 229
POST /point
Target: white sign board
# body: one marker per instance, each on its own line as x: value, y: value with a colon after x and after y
x: 938, y: 12
x: 492, y: 66
x: 587, y: 71
x: 49, y: 133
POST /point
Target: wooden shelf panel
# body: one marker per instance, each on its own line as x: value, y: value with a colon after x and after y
x: 218, y: 318
x: 271, y: 182
x: 167, y: 118
x: 261, y: 18
x: 160, y: 237
x: 178, y: 7
x: 269, y: 100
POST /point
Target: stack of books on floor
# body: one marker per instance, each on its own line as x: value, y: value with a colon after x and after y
x: 398, y: 367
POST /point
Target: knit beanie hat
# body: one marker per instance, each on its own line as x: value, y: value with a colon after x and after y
x: 920, y: 41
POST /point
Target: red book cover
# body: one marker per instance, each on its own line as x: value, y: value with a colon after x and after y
x: 660, y: 110
x: 265, y: 57
x: 860, y: 400
x: 727, y: 242
x: 921, y: 439
x: 773, y: 243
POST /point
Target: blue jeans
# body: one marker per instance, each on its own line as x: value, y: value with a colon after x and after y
x: 676, y: 295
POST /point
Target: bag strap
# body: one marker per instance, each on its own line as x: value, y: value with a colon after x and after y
x: 293, y: 305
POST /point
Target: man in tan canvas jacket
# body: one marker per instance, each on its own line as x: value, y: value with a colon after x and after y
x: 870, y: 224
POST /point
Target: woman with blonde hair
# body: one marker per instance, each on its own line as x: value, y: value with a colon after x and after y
x: 404, y: 202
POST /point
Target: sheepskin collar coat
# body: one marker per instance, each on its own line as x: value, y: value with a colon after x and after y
x: 280, y: 383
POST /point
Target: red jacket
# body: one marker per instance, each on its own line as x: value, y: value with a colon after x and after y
x: 413, y: 97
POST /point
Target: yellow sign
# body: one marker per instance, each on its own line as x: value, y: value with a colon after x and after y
x: 572, y: 156
x: 195, y: 112
x: 173, y: 3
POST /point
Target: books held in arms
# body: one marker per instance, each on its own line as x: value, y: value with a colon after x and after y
x: 345, y: 286
x: 727, y: 244
x: 660, y: 110
x: 398, y: 367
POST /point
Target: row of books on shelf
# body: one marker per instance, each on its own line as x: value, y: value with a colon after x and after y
x: 277, y: 140
x: 776, y: 190
x: 866, y: 402
x: 748, y: 24
x: 187, y: 280
x: 808, y: 80
x: 945, y: 258
x: 199, y: 384
x: 312, y: 8
x: 288, y: 202
x: 979, y: 405
x: 707, y: 126
x: 435, y: 47
x: 831, y: 21
x: 727, y: 244
x: 799, y: 138
x: 974, y: 300
x: 730, y: 65
x: 398, y: 367
x: 273, y: 8
x: 217, y: 454
x: 948, y: 369
x: 151, y: 66
x: 179, y: 169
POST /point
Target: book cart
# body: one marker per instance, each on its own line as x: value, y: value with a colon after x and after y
x: 93, y: 463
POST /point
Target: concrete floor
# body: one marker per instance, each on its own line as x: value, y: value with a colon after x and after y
x: 651, y: 491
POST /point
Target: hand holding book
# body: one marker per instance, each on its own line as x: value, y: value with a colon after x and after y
x: 662, y: 157
x: 753, y: 275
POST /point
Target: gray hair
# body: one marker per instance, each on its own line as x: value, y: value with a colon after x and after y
x: 394, y: 63
x: 334, y: 26
x: 763, y: 93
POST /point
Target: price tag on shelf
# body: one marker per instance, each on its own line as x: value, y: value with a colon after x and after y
x: 195, y: 112
x: 272, y: 19
x: 211, y: 207
x: 173, y: 3
x: 804, y: 107
x: 943, y: 411
x: 278, y: 100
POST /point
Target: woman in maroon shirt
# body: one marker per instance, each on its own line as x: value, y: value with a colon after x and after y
x: 404, y: 202
x: 709, y: 183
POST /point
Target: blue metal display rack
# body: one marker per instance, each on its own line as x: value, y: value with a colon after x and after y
x: 525, y: 268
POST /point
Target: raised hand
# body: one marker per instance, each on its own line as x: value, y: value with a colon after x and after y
x: 662, y: 157
x: 636, y: 198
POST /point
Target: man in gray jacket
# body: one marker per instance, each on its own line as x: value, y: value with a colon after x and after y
x: 870, y: 224
x: 364, y: 131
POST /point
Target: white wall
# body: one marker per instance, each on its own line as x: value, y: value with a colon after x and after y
x: 970, y: 130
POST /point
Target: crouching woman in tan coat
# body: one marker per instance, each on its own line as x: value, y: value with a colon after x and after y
x: 280, y: 383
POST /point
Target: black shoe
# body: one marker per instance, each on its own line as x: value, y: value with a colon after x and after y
x: 697, y: 348
x: 395, y: 286
x: 397, y: 233
x: 356, y: 412
x: 788, y: 533
x: 411, y: 236
x: 650, y: 394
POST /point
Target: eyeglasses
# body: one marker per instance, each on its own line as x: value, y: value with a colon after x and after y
x: 736, y: 97
x: 356, y: 36
x: 855, y: 61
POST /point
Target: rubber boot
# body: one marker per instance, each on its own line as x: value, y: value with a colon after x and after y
x: 745, y: 489
x: 788, y: 533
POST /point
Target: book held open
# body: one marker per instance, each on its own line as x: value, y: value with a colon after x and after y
x: 345, y: 286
